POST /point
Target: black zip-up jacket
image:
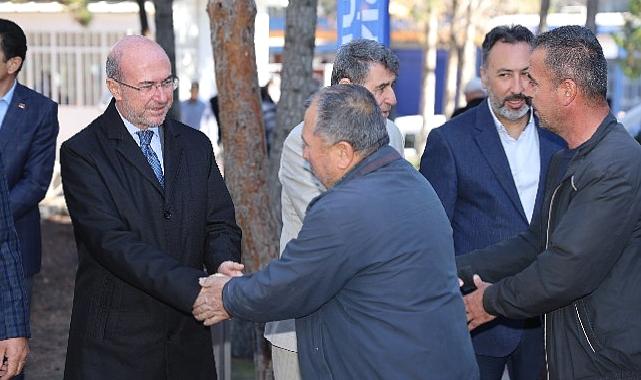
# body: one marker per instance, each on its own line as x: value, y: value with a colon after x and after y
x: 579, y: 264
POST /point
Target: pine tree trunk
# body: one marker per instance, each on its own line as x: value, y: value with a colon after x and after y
x: 296, y: 85
x: 245, y: 155
x: 592, y: 7
x: 142, y: 15
x: 165, y: 37
x: 543, y: 16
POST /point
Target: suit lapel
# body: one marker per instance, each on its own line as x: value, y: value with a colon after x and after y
x: 125, y: 145
x: 16, y: 116
x: 489, y: 142
x: 172, y: 157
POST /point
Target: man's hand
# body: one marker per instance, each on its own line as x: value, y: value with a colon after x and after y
x: 231, y: 269
x: 476, y: 314
x: 13, y: 356
x: 208, y: 307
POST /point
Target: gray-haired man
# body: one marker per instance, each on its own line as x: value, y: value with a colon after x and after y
x: 375, y: 67
x: 355, y: 277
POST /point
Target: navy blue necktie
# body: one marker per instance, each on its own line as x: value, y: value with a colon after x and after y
x: 145, y: 144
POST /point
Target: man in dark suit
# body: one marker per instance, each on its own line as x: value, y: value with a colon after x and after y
x: 150, y: 210
x: 28, y: 131
x: 487, y: 165
x: 14, y: 313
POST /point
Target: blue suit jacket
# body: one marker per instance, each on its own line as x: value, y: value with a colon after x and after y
x: 28, y: 145
x: 14, y: 313
x: 465, y: 162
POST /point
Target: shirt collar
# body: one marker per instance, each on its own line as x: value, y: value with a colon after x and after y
x: 133, y: 129
x: 9, y: 95
x: 501, y: 128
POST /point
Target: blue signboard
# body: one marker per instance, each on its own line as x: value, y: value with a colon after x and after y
x: 363, y: 19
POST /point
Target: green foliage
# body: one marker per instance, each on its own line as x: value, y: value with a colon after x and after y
x: 79, y: 11
x: 629, y: 39
x: 77, y: 8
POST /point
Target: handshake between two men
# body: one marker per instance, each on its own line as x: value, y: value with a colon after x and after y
x: 474, y: 309
x: 208, y: 307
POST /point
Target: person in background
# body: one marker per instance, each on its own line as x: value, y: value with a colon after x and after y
x: 193, y: 110
x: 269, y: 114
x: 474, y: 93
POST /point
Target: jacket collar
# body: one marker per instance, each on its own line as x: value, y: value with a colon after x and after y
x: 489, y: 143
x: 371, y: 163
x: 115, y: 130
x: 604, y: 128
x: 16, y: 116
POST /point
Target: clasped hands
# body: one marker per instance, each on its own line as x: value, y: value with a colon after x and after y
x: 474, y: 310
x: 208, y: 307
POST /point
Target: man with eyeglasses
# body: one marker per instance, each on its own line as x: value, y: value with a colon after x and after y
x: 150, y: 210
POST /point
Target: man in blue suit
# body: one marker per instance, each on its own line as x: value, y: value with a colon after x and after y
x: 28, y: 131
x: 14, y: 318
x: 487, y: 165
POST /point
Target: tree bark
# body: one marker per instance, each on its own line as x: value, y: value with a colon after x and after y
x: 449, y: 94
x: 245, y: 154
x: 296, y: 85
x: 165, y: 37
x: 543, y: 16
x: 142, y: 15
x: 592, y: 7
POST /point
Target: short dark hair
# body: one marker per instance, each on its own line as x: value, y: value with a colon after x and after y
x: 13, y: 42
x: 573, y: 52
x: 354, y: 58
x: 349, y: 112
x: 508, y: 34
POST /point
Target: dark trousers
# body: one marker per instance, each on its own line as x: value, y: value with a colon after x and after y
x: 526, y: 362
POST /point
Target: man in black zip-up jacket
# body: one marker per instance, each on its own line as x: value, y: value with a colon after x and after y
x: 579, y: 264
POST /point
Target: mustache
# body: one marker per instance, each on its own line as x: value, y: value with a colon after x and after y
x: 521, y: 96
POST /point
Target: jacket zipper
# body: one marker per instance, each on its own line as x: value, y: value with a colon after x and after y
x: 545, y: 316
x: 583, y: 328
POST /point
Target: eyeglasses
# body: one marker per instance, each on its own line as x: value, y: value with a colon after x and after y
x: 171, y: 83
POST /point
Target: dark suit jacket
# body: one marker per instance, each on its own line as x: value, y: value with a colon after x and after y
x: 465, y: 162
x: 28, y: 144
x: 141, y: 251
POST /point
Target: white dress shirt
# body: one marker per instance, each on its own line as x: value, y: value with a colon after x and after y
x: 524, y: 157
x: 156, y: 139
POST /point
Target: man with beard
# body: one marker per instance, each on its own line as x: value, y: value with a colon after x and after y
x: 150, y: 210
x: 579, y: 263
x: 487, y: 166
